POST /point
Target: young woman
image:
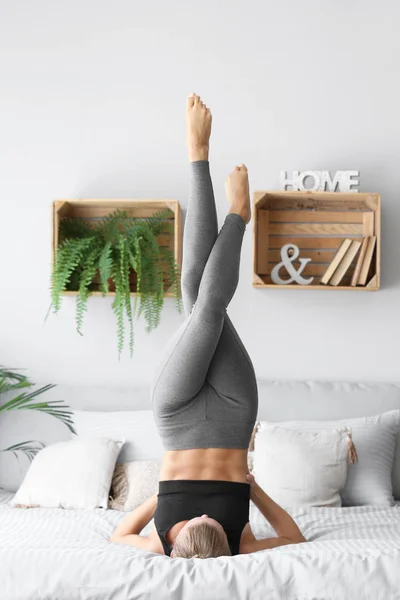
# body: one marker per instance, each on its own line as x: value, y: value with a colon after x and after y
x: 204, y: 390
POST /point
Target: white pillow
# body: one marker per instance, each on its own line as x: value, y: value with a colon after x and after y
x: 301, y: 468
x: 369, y: 481
x: 134, y: 482
x: 73, y: 474
x: 136, y: 427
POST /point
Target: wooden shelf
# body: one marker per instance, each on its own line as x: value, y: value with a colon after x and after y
x: 93, y: 209
x: 316, y: 222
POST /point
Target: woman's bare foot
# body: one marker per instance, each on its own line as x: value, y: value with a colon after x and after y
x: 198, y: 122
x: 237, y: 190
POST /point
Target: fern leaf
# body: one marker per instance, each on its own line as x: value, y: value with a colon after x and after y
x: 105, y: 265
x: 128, y: 310
x: 114, y: 246
x: 121, y: 287
x: 158, y: 220
x: 69, y: 257
x: 85, y: 280
x: 74, y: 228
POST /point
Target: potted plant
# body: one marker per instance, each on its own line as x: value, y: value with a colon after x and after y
x: 11, y: 381
x: 117, y: 253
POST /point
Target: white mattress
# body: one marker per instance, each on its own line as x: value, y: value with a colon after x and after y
x: 54, y: 554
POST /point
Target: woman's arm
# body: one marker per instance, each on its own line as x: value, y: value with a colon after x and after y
x: 128, y: 530
x: 283, y: 524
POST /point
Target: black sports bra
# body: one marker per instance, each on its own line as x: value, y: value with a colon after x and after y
x: 225, y: 501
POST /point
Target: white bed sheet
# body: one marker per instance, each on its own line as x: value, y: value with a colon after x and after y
x: 54, y: 554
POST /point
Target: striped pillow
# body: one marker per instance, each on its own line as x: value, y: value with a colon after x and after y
x: 369, y: 480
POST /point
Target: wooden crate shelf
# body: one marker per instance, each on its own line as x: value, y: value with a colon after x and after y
x: 316, y: 222
x: 94, y: 209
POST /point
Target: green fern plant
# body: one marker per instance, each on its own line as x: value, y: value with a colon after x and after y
x: 12, y: 381
x: 107, y: 255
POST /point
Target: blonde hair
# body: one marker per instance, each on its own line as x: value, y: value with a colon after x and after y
x: 201, y: 540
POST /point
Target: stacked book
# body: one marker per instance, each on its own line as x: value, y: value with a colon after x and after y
x: 344, y: 257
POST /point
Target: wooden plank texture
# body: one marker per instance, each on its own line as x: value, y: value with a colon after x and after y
x: 309, y: 270
x: 313, y: 200
x: 315, y: 229
x: 99, y: 213
x: 61, y: 207
x: 317, y: 216
x: 92, y: 210
x: 319, y: 256
x: 114, y: 203
x: 368, y: 224
x: 257, y: 279
x: 167, y: 294
x: 316, y: 282
x: 373, y: 283
x: 276, y: 241
x: 178, y: 234
x: 316, y: 222
x: 255, y: 253
x: 262, y: 241
x: 378, y: 243
x: 311, y: 203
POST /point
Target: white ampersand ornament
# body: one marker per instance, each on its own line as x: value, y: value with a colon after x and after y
x: 287, y: 260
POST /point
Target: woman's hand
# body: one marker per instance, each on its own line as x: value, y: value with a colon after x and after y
x: 135, y: 521
x: 285, y: 527
x: 250, y: 479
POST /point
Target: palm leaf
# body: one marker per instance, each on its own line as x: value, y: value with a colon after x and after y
x: 11, y: 380
x: 7, y: 387
x: 12, y: 374
x: 24, y: 397
x: 54, y: 408
x: 30, y: 449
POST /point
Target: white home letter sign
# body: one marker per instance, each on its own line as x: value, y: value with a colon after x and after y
x: 321, y: 181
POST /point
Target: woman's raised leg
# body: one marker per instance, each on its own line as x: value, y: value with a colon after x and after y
x: 206, y: 346
x: 201, y: 224
x: 200, y: 233
x: 189, y: 352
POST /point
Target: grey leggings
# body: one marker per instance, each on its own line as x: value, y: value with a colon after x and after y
x: 204, y: 390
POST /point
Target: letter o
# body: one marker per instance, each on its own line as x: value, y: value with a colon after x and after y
x: 317, y: 181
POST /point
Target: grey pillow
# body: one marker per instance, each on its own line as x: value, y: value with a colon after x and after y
x: 370, y: 480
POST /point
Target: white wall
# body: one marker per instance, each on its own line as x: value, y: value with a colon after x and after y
x: 92, y: 99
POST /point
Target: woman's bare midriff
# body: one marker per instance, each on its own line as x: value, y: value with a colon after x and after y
x: 221, y: 464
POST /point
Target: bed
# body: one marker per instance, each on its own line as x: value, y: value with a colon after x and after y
x: 55, y: 554
x: 351, y: 553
